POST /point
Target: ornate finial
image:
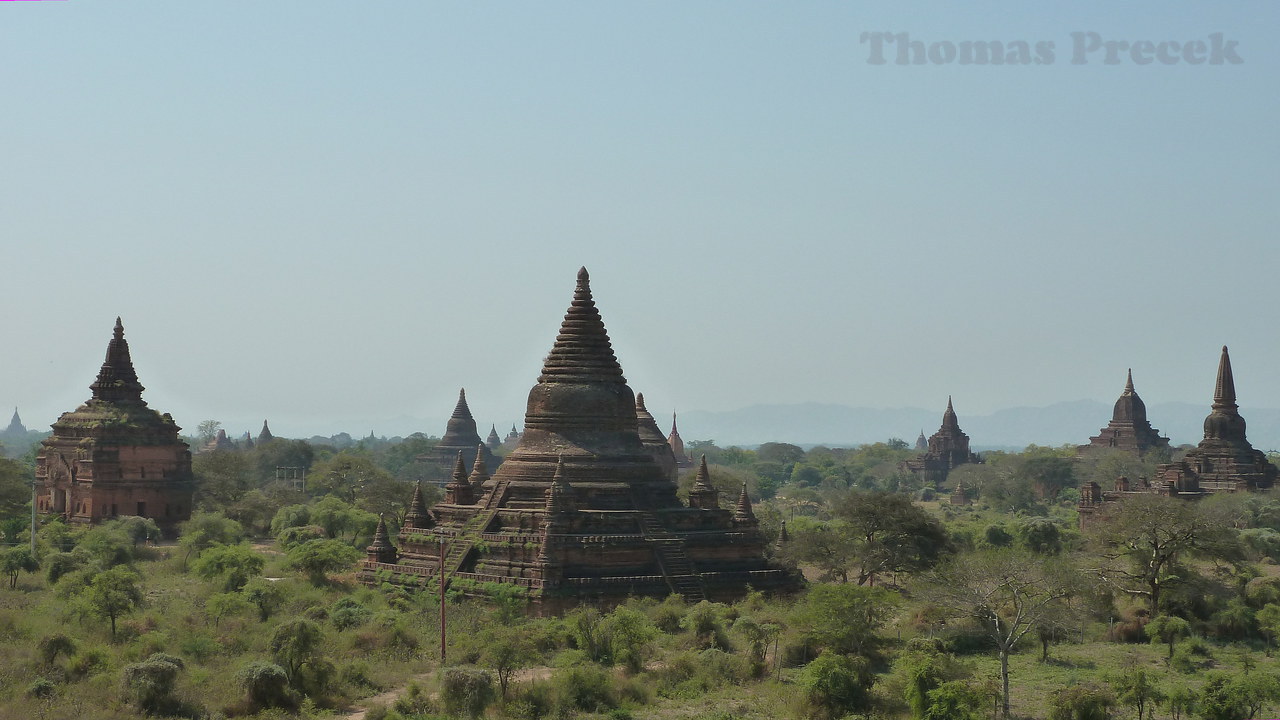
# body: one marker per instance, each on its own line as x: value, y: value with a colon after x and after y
x: 1224, y: 392
x: 673, y: 421
x: 119, y: 331
x: 461, y: 410
x: 1128, y: 383
x: 640, y: 401
x: 459, y: 469
x: 583, y: 275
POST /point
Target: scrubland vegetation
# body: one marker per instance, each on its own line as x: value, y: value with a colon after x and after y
x: 916, y: 608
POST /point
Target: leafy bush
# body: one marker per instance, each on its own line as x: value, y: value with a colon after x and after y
x: 833, y: 686
x: 266, y: 684
x: 1080, y: 702
x: 41, y: 688
x: 584, y: 687
x: 466, y: 690
x: 149, y: 685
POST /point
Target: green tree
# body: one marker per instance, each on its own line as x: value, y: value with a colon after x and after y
x: 1080, y: 702
x: 206, y: 529
x: 150, y: 684
x: 1138, y: 689
x: 235, y: 565
x: 630, y: 633
x: 834, y: 685
x: 17, y: 560
x: 220, y: 605
x: 222, y: 479
x: 294, y: 643
x: 844, y: 618
x: 1009, y: 592
x: 1167, y: 629
x: 955, y: 700
x: 1269, y: 623
x: 317, y: 558
x: 1237, y: 697
x: 1142, y: 538
x: 265, y: 595
x: 15, y: 489
x: 465, y: 691
x: 506, y: 651
x: 892, y: 534
x: 113, y: 593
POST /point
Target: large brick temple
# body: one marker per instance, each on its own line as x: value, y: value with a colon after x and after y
x: 1224, y: 461
x: 580, y: 511
x: 113, y: 455
x: 1129, y: 429
x: 945, y: 450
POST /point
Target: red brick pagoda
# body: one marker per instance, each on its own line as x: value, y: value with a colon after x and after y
x: 1129, y: 429
x: 580, y: 511
x: 114, y: 455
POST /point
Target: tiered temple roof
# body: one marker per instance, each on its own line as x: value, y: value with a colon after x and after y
x: 265, y: 436
x: 113, y: 455
x: 1129, y: 429
x: 580, y: 511
x: 947, y: 449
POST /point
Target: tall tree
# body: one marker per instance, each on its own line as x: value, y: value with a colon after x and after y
x: 1009, y: 593
x: 1140, y: 541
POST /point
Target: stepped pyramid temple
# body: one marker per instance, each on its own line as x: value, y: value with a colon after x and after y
x: 114, y: 455
x: 1224, y: 461
x: 580, y: 512
x: 15, y: 425
x: 1128, y: 429
x: 460, y: 435
x: 947, y: 448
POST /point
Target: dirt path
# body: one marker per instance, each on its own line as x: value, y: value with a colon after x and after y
x: 385, y: 699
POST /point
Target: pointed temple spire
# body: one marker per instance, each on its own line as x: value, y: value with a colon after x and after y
x: 653, y: 439
x: 493, y: 441
x: 381, y: 550
x: 417, y: 516
x: 117, y: 381
x: 703, y: 494
x: 559, y: 494
x: 479, y: 472
x: 458, y: 491
x: 1128, y: 383
x: 582, y: 352
x: 1128, y: 429
x: 743, y: 513
x: 460, y: 435
x: 265, y: 435
x: 1224, y: 391
x: 677, y: 445
x: 461, y: 411
x: 949, y: 416
x: 921, y: 443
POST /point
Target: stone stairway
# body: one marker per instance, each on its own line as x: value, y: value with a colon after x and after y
x: 461, y: 545
x: 676, y: 566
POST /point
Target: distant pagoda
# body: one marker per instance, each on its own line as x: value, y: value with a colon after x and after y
x: 493, y: 441
x: 16, y: 428
x: 580, y: 511
x: 114, y: 455
x: 1224, y: 461
x: 947, y: 449
x: 265, y: 436
x: 460, y: 435
x: 1129, y: 429
x: 676, y: 443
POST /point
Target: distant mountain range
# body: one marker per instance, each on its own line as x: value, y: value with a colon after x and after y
x: 1012, y: 428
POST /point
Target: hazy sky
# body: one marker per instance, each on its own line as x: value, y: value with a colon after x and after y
x: 333, y: 214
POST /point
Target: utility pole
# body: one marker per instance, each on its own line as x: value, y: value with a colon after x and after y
x: 440, y: 577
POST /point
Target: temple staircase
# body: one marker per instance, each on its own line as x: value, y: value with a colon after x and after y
x: 672, y: 559
x: 461, y: 545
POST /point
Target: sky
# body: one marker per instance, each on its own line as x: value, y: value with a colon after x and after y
x: 336, y: 214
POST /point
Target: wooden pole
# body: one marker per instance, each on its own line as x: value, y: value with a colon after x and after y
x: 440, y: 576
